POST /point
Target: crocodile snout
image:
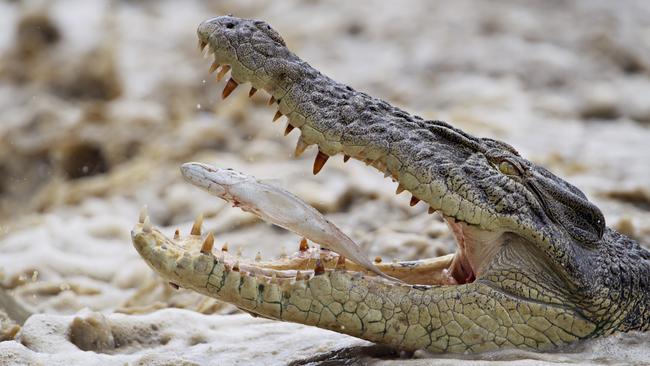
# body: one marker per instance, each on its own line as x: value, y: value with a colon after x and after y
x: 207, y: 27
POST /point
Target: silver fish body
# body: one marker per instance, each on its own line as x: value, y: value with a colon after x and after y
x: 277, y: 206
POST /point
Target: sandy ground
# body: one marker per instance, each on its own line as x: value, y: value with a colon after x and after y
x: 102, y: 101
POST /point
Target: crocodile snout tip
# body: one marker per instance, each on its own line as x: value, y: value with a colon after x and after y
x: 208, y: 26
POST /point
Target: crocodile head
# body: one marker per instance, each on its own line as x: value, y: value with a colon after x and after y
x: 534, y: 263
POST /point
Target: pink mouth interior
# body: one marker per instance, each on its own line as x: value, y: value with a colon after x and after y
x: 461, y: 269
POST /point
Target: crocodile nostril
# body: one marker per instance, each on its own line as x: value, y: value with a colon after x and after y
x: 230, y: 25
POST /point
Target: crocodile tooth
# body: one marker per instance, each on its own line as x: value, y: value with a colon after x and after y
x: 196, y: 227
x: 143, y: 214
x: 377, y: 259
x: 274, y: 278
x: 414, y: 201
x: 206, y: 248
x: 346, y: 158
x: 319, y: 269
x: 258, y: 257
x: 303, y: 245
x: 235, y: 267
x: 202, y: 45
x: 177, y: 234
x: 175, y: 286
x: 272, y: 100
x: 230, y: 86
x: 301, y: 145
x: 252, y: 91
x: 213, y: 67
x: 399, y: 189
x: 278, y: 114
x: 146, y: 225
x: 340, y: 263
x: 319, y: 162
x: 238, y: 254
x: 224, y: 248
x: 431, y: 210
x: 288, y: 129
x: 298, y: 276
x: 222, y: 72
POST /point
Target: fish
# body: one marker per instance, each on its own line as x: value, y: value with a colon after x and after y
x: 277, y: 206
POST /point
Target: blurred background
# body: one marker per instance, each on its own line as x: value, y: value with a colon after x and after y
x: 101, y: 101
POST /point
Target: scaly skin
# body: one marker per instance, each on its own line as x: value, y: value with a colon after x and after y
x: 545, y: 270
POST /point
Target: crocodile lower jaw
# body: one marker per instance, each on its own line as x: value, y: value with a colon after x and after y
x: 452, y: 269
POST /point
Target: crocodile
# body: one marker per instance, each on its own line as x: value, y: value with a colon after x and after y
x: 535, y: 268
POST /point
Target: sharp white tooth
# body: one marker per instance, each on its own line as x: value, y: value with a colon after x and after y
x: 143, y: 214
x: 301, y: 145
x: 209, y: 52
x: 146, y: 225
x: 213, y: 67
x: 196, y: 227
x: 206, y: 247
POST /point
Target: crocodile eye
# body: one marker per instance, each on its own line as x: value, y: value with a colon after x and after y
x: 508, y: 168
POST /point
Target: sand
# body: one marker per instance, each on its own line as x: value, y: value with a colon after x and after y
x: 102, y: 101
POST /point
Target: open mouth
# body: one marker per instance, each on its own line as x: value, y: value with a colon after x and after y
x: 453, y: 269
x: 474, y: 246
x: 310, y: 260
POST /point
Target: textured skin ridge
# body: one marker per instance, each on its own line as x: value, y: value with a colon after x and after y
x: 559, y: 274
